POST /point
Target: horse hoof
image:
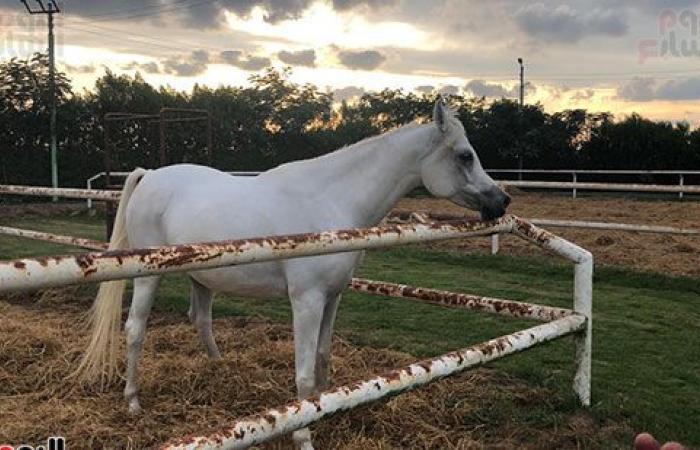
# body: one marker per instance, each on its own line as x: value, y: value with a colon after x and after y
x: 302, y: 439
x: 135, y: 407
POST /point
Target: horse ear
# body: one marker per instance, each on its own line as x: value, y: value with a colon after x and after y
x: 440, y: 115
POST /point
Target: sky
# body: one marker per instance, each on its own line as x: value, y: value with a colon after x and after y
x: 621, y: 56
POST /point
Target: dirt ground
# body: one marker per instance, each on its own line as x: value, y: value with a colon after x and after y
x: 662, y: 253
x: 40, y: 209
x: 184, y: 393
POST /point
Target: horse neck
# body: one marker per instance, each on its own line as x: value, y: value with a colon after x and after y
x: 369, y: 178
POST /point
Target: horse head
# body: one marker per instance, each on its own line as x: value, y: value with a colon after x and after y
x: 452, y: 170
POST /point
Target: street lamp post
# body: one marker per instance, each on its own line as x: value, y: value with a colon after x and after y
x: 521, y: 103
x: 50, y: 9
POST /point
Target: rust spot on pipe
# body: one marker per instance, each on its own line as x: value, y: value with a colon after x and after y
x: 20, y: 265
x: 43, y: 261
x: 425, y: 365
x: 445, y: 298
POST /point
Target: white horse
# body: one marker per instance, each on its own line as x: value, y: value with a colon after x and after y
x: 352, y: 187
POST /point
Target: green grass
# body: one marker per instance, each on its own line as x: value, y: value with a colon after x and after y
x: 646, y: 342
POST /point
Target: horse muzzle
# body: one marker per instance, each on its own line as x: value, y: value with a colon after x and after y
x: 495, y: 203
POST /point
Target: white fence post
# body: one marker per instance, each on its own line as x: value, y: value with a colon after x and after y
x: 89, y: 188
x: 574, y: 189
x: 583, y: 304
x: 681, y: 183
x: 495, y: 243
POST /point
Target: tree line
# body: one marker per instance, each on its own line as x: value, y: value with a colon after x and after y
x: 272, y: 121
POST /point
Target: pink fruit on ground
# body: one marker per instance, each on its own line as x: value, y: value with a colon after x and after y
x: 672, y: 446
x: 646, y: 441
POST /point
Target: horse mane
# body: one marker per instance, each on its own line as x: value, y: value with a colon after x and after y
x: 387, y: 134
x: 451, y: 115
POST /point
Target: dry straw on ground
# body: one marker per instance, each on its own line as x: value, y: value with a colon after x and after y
x: 662, y: 253
x: 185, y: 393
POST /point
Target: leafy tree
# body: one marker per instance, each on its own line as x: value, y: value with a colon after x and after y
x: 24, y: 118
x: 273, y: 120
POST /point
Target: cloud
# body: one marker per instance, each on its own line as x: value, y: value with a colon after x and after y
x: 566, y: 24
x: 195, y: 14
x: 237, y: 59
x: 480, y: 88
x: 347, y: 93
x: 344, y: 5
x: 449, y: 90
x: 425, y: 89
x: 149, y: 67
x: 196, y: 63
x: 254, y: 63
x: 654, y: 6
x: 299, y: 58
x: 648, y: 89
x: 231, y: 57
x: 583, y: 94
x: 187, y: 66
x: 87, y: 68
x: 362, y: 59
x: 211, y: 14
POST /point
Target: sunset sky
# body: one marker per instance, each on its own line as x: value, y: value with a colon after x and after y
x: 602, y: 55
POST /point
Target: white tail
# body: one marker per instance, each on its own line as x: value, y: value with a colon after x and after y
x: 100, y: 359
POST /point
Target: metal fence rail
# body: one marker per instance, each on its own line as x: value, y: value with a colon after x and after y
x: 35, y: 273
x: 681, y: 174
x: 598, y: 172
x: 276, y: 422
x: 574, y: 185
x: 55, y: 238
x: 404, y: 216
x: 615, y: 187
x: 40, y: 191
x: 423, y: 216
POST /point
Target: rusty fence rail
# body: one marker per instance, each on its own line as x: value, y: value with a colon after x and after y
x: 41, y: 191
x: 55, y: 238
x: 36, y: 273
x: 276, y: 422
x: 424, y: 216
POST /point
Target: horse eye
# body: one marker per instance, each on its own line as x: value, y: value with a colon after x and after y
x: 466, y: 157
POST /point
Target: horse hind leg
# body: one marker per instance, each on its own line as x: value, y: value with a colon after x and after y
x: 325, y: 340
x: 308, y: 314
x: 141, y: 303
x: 201, y: 298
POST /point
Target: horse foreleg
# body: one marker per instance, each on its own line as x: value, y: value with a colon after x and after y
x: 325, y: 340
x: 141, y: 303
x: 200, y: 314
x: 308, y: 314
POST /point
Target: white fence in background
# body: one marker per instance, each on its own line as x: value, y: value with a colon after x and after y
x: 36, y: 273
x: 575, y: 185
x: 424, y: 216
x: 681, y: 188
